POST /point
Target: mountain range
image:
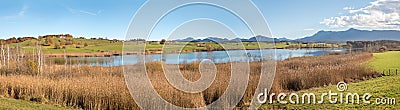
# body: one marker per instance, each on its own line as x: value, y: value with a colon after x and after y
x: 352, y: 35
x: 217, y: 39
x: 321, y: 36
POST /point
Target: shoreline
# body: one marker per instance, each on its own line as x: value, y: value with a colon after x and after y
x: 110, y: 54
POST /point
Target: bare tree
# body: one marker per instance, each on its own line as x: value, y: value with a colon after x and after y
x: 40, y: 59
x: 3, y: 55
x: 8, y: 57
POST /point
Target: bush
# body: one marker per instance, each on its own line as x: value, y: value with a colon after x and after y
x: 57, y: 46
x: 33, y: 67
x: 85, y: 44
x: 383, y: 49
x: 163, y: 41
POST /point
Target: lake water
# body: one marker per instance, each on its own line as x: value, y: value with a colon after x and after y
x: 215, y: 56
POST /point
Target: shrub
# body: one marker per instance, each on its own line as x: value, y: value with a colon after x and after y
x: 57, y: 46
x: 383, y: 49
x: 85, y: 44
x: 163, y: 41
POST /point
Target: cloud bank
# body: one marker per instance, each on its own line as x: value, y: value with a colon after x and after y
x: 380, y: 14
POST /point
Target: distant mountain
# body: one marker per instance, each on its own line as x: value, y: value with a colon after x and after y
x: 260, y: 39
x: 352, y: 34
x: 321, y: 36
x: 265, y: 39
x: 185, y: 40
x: 240, y: 39
x: 282, y: 39
x: 216, y: 39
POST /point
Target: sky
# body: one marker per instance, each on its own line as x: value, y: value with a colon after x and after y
x: 110, y: 19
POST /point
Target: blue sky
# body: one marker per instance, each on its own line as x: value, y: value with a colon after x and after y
x: 110, y: 18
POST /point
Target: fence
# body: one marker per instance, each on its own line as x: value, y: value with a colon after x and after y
x: 389, y: 72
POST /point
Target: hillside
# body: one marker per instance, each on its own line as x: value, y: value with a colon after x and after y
x: 352, y: 35
x: 71, y: 45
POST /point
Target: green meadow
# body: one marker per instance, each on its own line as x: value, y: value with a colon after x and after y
x: 387, y: 60
x: 14, y: 104
x: 77, y: 45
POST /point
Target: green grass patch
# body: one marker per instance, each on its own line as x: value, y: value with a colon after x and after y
x: 384, y: 61
x: 97, y: 45
x: 14, y: 104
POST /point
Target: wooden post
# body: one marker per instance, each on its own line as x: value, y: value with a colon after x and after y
x: 396, y: 71
x: 383, y: 72
x: 389, y: 72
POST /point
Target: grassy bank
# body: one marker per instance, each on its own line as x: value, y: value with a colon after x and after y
x: 14, y: 104
x: 382, y: 87
x: 385, y: 61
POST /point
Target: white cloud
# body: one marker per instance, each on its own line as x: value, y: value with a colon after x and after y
x: 348, y: 8
x: 21, y: 13
x: 381, y: 14
x: 75, y: 11
x: 23, y: 10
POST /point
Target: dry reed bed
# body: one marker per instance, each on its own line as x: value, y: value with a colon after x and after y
x: 95, y: 89
x: 104, y: 87
x: 308, y: 72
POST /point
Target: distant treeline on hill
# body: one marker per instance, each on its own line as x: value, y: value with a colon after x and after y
x: 379, y: 45
x: 57, y: 36
x: 22, y: 39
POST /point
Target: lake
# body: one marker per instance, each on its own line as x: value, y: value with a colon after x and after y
x: 215, y: 56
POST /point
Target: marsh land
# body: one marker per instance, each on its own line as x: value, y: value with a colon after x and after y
x: 26, y: 75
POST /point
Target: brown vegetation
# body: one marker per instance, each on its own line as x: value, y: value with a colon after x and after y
x: 308, y: 72
x: 375, y: 46
x: 90, y: 87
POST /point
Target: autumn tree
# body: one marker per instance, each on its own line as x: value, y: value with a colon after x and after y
x: 57, y: 46
x: 49, y: 40
x: 163, y: 41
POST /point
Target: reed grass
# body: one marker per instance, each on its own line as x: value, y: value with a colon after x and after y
x: 90, y: 87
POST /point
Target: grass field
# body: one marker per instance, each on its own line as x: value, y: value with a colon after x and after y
x: 387, y: 60
x: 107, y: 46
x: 93, y: 46
x: 97, y: 45
x: 382, y: 87
x: 14, y: 104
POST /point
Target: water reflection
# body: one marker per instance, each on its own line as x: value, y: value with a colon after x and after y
x: 215, y: 56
